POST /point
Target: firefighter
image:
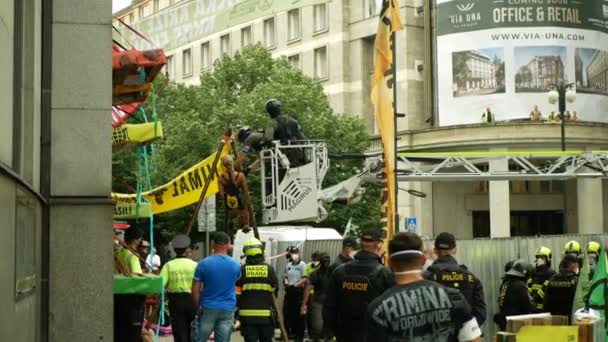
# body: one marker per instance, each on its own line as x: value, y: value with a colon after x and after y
x: 560, y: 289
x: 255, y: 289
x: 542, y: 273
x: 447, y: 272
x: 573, y: 248
x: 593, y: 251
x: 352, y: 286
x: 513, y: 297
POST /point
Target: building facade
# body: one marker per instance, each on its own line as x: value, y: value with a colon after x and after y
x: 55, y: 169
x: 333, y: 41
x: 597, y: 71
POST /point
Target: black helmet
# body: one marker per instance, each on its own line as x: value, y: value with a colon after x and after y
x: 243, y: 133
x: 520, y: 269
x: 273, y: 107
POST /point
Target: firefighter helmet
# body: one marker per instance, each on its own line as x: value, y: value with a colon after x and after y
x: 253, y: 247
x: 593, y: 248
x: 545, y: 252
x: 572, y: 247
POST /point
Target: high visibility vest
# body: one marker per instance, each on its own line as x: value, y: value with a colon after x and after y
x: 178, y: 274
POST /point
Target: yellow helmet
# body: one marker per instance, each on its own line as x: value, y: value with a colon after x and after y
x: 593, y: 247
x: 253, y: 247
x: 572, y: 247
x: 544, y: 251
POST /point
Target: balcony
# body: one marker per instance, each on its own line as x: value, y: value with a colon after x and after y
x: 501, y: 135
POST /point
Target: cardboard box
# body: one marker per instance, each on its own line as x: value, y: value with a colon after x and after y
x: 590, y: 330
x: 503, y: 336
x: 515, y: 323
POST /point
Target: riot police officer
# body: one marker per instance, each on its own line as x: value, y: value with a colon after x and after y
x: 561, y: 288
x: 513, y: 297
x: 446, y: 271
x: 255, y: 289
x: 542, y: 273
x: 353, y: 285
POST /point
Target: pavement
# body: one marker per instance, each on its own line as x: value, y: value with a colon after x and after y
x: 236, y: 337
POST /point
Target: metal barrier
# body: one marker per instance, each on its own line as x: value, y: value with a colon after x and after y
x: 486, y: 259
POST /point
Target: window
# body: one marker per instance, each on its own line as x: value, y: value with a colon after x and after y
x: 321, y: 71
x: 131, y: 18
x: 320, y: 17
x: 294, y: 61
x: 225, y: 44
x: 205, y: 56
x: 26, y: 221
x: 140, y: 11
x: 293, y: 25
x: 170, y: 68
x: 269, y: 33
x: 246, y: 36
x: 187, y: 63
x: 156, y: 5
x: 372, y: 7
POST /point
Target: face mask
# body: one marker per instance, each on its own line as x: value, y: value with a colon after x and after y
x: 539, y: 262
x: 295, y: 257
x: 315, y: 263
x: 352, y: 254
x: 427, y: 264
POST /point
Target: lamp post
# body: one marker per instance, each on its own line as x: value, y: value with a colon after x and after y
x: 560, y: 94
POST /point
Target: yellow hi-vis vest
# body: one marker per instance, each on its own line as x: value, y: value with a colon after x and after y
x: 178, y: 274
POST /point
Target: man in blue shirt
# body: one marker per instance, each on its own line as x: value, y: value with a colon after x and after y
x: 216, y: 275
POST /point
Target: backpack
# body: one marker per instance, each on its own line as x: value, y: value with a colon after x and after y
x: 232, y: 194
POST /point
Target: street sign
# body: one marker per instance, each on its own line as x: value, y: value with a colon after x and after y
x: 206, y: 215
x: 411, y: 225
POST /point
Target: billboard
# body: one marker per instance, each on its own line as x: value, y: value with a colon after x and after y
x: 502, y: 55
x: 176, y: 26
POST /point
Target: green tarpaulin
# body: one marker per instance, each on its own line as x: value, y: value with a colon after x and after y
x: 148, y: 284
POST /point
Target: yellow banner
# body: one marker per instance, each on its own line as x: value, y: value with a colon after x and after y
x: 382, y: 98
x: 136, y: 134
x: 130, y: 211
x: 182, y: 191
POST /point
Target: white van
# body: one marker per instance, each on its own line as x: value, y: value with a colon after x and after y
x: 278, y: 238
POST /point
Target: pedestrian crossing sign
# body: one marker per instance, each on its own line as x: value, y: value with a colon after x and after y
x: 411, y: 225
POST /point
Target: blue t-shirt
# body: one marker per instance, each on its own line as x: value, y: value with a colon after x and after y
x: 219, y: 274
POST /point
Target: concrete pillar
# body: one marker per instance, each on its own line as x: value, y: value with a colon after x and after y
x: 500, y: 210
x: 590, y: 205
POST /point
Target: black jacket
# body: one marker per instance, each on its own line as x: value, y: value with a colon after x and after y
x: 559, y: 293
x: 339, y: 261
x: 536, y: 285
x: 446, y: 271
x: 254, y: 289
x: 513, y: 299
x: 351, y: 288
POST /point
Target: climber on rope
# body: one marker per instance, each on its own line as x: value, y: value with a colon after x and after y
x: 235, y: 195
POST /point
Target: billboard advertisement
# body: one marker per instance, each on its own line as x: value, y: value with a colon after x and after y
x: 502, y: 55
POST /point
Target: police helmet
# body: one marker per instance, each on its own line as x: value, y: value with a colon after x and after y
x: 572, y: 247
x: 544, y: 252
x: 292, y: 250
x: 273, y: 107
x: 253, y: 247
x: 243, y: 133
x: 520, y: 269
x: 593, y: 248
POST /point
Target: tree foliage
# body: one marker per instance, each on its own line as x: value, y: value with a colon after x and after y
x: 233, y: 94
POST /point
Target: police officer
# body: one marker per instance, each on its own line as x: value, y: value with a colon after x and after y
x: 513, y: 297
x: 560, y: 289
x: 129, y: 308
x: 349, y: 249
x: 446, y: 271
x: 353, y: 285
x: 255, y: 289
x: 280, y: 126
x: 542, y: 273
x: 177, y: 275
x: 295, y: 283
x: 252, y: 142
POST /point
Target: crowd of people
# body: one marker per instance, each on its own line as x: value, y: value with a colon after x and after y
x: 535, y: 115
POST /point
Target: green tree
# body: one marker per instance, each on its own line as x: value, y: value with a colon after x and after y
x: 233, y: 94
